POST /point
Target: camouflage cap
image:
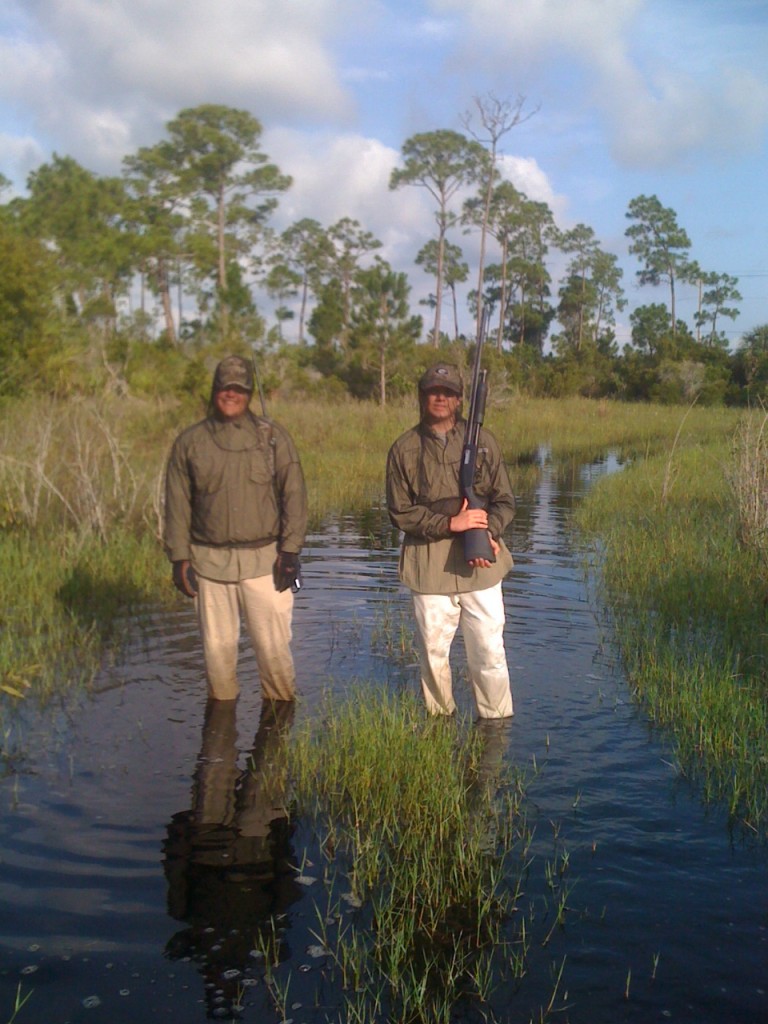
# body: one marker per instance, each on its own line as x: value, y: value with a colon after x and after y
x: 442, y: 375
x: 234, y: 371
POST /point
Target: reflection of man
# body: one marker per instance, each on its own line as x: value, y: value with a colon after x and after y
x: 228, y: 861
x: 236, y: 516
x: 495, y: 737
x: 422, y: 497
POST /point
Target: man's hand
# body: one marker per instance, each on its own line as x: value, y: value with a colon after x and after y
x: 474, y: 519
x: 483, y: 563
x: 287, y: 572
x: 185, y: 578
x: 469, y: 519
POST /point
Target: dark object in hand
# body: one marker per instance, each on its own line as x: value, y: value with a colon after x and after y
x: 287, y: 572
x: 477, y: 545
x: 185, y: 578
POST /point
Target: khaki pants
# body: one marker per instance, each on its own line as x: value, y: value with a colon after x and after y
x: 481, y: 616
x: 267, y: 615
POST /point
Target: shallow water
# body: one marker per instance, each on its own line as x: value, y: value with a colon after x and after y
x: 137, y: 871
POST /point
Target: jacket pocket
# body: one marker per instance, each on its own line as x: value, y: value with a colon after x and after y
x: 207, y: 473
x: 260, y: 466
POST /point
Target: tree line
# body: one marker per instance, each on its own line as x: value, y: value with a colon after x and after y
x: 137, y: 281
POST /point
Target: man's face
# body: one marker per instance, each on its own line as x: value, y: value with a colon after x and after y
x: 231, y: 402
x: 440, y: 407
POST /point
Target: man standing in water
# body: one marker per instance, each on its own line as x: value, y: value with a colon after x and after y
x: 422, y: 497
x: 235, y: 521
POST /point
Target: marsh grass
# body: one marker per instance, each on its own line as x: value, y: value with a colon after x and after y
x: 19, y: 1003
x: 688, y: 602
x: 89, y: 466
x: 748, y: 477
x: 356, y: 436
x: 81, y: 500
x: 423, y: 832
x: 420, y: 821
x: 393, y: 634
x: 63, y: 605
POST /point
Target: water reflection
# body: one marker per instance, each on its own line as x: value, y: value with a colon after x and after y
x: 495, y: 756
x: 87, y: 910
x: 228, y: 860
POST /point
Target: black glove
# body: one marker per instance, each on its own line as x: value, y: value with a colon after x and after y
x: 185, y: 578
x: 287, y: 572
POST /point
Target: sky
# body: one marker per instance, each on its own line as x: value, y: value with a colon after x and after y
x: 626, y: 98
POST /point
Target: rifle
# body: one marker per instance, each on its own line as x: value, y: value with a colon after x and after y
x: 258, y: 382
x: 476, y: 542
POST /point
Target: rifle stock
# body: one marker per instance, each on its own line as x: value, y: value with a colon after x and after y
x: 477, y: 543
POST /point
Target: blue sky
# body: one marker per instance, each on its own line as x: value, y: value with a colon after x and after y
x: 664, y: 97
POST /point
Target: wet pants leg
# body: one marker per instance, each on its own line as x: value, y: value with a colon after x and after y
x: 482, y: 625
x: 481, y: 617
x: 437, y: 619
x: 267, y: 616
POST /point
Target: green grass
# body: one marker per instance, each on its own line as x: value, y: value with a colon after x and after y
x: 357, y: 435
x: 688, y: 606
x: 422, y: 823
x: 63, y: 604
x: 421, y: 819
x: 81, y: 503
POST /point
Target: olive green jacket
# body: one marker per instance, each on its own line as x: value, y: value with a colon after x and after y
x: 234, y: 493
x: 423, y: 495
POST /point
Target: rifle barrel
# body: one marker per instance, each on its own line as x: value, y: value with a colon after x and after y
x: 476, y: 542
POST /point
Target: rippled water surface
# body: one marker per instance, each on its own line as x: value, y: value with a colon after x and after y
x: 132, y: 855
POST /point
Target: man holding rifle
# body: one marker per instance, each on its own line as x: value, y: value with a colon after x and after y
x: 452, y: 587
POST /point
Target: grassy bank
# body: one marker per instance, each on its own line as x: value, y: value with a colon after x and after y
x: 422, y: 844
x: 81, y: 500
x: 64, y: 602
x: 688, y: 597
x: 417, y: 824
x: 356, y: 437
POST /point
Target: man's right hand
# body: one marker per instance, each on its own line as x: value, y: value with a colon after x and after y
x: 185, y: 578
x: 469, y: 519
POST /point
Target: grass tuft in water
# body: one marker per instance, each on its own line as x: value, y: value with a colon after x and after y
x: 19, y: 1003
x: 420, y: 818
x: 62, y: 605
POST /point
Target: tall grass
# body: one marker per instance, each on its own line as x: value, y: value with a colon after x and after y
x: 688, y: 601
x: 89, y: 466
x: 420, y: 820
x: 81, y: 484
x: 747, y: 474
x: 61, y: 603
x: 588, y: 428
x: 359, y: 435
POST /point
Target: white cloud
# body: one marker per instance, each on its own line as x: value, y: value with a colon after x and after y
x: 678, y: 117
x: 526, y: 175
x: 531, y: 29
x: 337, y: 176
x: 668, y: 90
x: 436, y: 30
x: 96, y: 77
x: 27, y: 66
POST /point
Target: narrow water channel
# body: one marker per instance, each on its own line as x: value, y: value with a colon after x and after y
x: 116, y: 908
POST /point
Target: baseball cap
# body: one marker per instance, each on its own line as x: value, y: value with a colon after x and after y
x: 442, y: 375
x: 234, y: 371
